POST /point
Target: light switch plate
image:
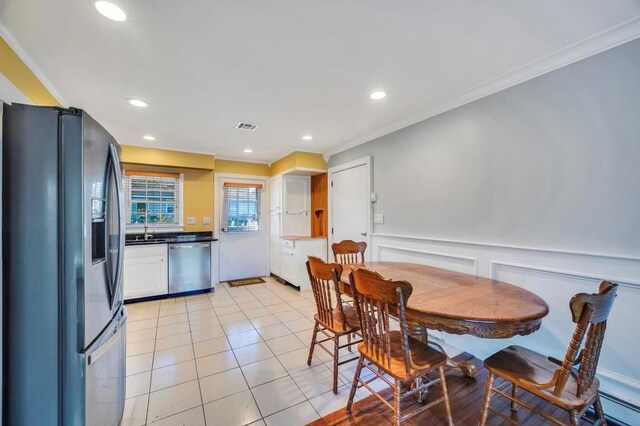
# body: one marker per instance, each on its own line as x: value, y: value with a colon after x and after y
x: 206, y: 220
x: 378, y: 218
x: 191, y: 220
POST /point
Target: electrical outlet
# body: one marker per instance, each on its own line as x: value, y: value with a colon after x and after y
x: 206, y: 220
x: 378, y: 218
x: 191, y: 220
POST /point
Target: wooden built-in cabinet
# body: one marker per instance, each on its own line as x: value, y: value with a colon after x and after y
x: 319, y: 205
x: 298, y: 208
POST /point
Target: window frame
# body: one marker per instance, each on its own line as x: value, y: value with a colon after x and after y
x: 179, y: 210
x: 225, y: 207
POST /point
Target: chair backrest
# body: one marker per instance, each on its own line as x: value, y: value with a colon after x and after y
x: 375, y: 299
x: 590, y: 313
x: 325, y: 282
x: 347, y: 251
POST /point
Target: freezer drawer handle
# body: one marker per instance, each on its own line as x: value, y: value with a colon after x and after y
x: 97, y: 354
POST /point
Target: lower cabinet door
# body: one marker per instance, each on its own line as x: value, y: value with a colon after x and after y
x: 145, y: 275
x: 275, y: 258
x: 288, y: 266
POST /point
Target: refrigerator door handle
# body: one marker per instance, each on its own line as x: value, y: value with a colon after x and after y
x: 115, y: 163
x: 99, y: 352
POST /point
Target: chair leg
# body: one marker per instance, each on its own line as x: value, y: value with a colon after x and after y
x: 487, y: 399
x: 354, y: 384
x: 336, y: 343
x: 397, y: 391
x: 514, y: 395
x: 574, y: 418
x: 599, y: 411
x: 313, y: 342
x: 349, y: 342
x: 445, y: 393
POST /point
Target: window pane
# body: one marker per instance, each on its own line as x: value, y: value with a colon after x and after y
x: 154, y: 199
x: 242, y: 209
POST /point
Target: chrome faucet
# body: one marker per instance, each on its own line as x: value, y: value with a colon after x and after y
x: 147, y: 234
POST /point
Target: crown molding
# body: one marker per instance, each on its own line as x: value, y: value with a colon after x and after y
x: 599, y: 42
x: 22, y: 54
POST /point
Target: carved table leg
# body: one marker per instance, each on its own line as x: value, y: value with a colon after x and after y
x: 419, y: 332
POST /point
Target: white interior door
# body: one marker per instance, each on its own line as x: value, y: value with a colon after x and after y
x: 350, y: 205
x: 242, y: 224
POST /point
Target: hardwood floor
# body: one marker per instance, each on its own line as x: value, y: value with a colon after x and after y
x: 466, y: 398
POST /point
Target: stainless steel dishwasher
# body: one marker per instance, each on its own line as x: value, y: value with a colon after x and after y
x: 189, y: 267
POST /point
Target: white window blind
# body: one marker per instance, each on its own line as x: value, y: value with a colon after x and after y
x: 153, y: 197
x: 241, y: 207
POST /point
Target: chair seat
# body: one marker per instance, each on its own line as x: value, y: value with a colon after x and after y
x: 520, y: 365
x: 339, y: 327
x: 423, y: 358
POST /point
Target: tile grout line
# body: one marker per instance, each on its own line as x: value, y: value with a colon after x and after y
x: 153, y: 357
x: 193, y: 349
x: 238, y: 304
x: 242, y: 372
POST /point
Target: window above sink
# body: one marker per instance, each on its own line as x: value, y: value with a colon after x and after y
x: 154, y: 199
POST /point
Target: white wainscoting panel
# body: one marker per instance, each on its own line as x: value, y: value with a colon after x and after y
x: 555, y: 276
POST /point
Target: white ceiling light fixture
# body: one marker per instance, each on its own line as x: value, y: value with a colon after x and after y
x: 248, y: 151
x: 149, y: 138
x: 307, y: 137
x: 377, y: 95
x: 111, y: 11
x: 138, y: 102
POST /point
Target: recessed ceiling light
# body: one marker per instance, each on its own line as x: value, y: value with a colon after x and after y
x: 377, y: 95
x: 149, y: 138
x: 111, y: 11
x: 307, y: 137
x: 248, y: 151
x: 138, y: 102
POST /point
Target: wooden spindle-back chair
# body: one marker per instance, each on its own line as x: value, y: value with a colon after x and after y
x: 558, y: 382
x: 392, y: 352
x: 334, y: 318
x: 349, y: 251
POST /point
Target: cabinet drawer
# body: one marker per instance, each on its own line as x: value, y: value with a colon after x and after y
x: 154, y: 250
x: 288, y: 243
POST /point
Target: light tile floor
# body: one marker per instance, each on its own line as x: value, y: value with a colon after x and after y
x: 236, y: 356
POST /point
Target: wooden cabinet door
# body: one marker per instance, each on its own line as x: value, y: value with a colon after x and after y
x: 145, y: 271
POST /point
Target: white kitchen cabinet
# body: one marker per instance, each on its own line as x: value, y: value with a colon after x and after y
x: 145, y: 271
x: 275, y: 193
x: 293, y: 258
x: 296, y: 205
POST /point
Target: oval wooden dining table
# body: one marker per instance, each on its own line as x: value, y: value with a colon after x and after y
x: 459, y: 303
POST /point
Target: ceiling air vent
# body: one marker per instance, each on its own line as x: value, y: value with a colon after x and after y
x: 243, y: 125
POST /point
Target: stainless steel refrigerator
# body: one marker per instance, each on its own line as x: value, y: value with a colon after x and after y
x: 63, y: 246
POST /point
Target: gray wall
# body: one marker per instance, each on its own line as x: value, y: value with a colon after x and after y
x: 551, y: 163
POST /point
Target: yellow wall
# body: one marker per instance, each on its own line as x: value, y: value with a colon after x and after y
x: 17, y: 72
x: 198, y: 178
x: 165, y: 157
x: 307, y: 160
x: 242, y: 167
x: 283, y: 164
x: 199, y: 170
x: 197, y: 197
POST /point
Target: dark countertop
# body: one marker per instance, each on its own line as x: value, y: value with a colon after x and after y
x: 169, y: 238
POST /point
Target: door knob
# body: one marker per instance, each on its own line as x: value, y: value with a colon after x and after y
x: 364, y: 234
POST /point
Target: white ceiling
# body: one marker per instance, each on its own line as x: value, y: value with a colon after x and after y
x: 292, y: 66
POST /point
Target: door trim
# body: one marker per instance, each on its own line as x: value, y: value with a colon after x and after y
x: 217, y: 187
x: 364, y: 161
